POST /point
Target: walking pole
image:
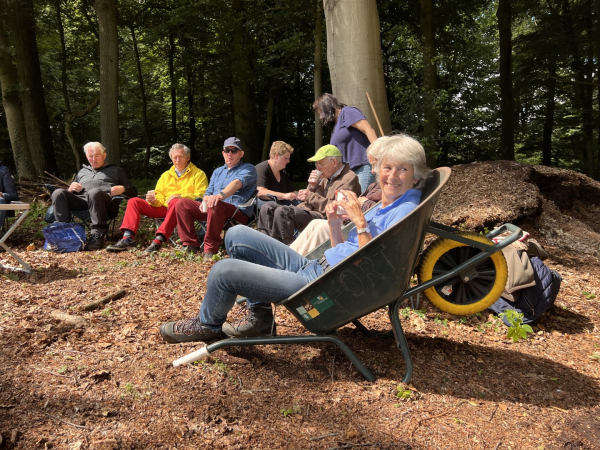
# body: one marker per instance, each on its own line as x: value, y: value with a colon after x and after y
x: 375, y: 114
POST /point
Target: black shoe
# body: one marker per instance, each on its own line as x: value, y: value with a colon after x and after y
x: 258, y: 322
x: 122, y: 245
x: 190, y: 249
x: 153, y: 247
x: 95, y: 242
x: 187, y: 330
x: 208, y: 257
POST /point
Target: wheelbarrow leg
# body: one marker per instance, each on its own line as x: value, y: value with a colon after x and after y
x: 401, y: 342
x: 269, y: 340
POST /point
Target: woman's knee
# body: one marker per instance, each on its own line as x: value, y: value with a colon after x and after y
x: 235, y: 235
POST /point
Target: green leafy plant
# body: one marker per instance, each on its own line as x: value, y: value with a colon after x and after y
x: 405, y: 312
x: 63, y: 369
x: 403, y: 393
x: 106, y: 312
x: 588, y: 295
x: 439, y: 321
x: 517, y: 330
x: 290, y: 411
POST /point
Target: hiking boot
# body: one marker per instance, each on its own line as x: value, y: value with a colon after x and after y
x: 95, y: 242
x: 187, y: 330
x: 208, y: 257
x: 153, y: 247
x: 122, y: 245
x: 190, y: 249
x: 258, y: 322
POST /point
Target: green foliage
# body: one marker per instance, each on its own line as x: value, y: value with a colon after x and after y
x: 406, y: 312
x: 290, y: 411
x: 517, y: 330
x: 588, y: 295
x: 402, y: 393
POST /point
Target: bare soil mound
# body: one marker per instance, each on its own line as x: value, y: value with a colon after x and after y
x: 102, y: 379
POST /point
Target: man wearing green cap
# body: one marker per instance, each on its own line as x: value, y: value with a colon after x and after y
x: 280, y: 221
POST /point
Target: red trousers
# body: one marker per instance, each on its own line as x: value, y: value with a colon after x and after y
x: 188, y: 211
x: 137, y: 206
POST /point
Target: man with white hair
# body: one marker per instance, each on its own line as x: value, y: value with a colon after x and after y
x: 93, y: 189
x: 280, y: 221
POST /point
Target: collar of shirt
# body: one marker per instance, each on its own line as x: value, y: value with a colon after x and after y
x: 335, y: 174
x: 179, y: 174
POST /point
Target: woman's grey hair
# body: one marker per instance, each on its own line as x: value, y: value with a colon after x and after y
x: 93, y: 146
x: 187, y: 151
x: 400, y: 148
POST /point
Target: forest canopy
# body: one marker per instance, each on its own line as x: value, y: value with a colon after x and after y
x: 199, y: 71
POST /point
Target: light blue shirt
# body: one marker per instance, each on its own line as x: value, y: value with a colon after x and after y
x: 243, y: 172
x: 379, y: 219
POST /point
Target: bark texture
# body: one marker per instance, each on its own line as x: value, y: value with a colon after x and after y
x: 318, y: 84
x: 430, y: 127
x: 354, y: 57
x: 507, y: 101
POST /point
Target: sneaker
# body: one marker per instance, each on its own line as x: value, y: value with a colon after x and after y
x: 95, y: 242
x: 153, y: 247
x: 190, y: 249
x: 187, y: 330
x: 208, y: 257
x: 122, y: 245
x: 258, y: 322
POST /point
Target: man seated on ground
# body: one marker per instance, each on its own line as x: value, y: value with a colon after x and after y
x: 317, y: 230
x: 230, y: 185
x: 280, y: 221
x: 183, y: 180
x: 8, y: 189
x: 93, y: 189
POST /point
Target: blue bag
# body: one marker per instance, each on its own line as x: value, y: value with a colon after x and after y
x: 64, y: 237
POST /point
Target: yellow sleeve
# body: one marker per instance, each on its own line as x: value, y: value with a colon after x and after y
x: 161, y: 191
x: 200, y: 184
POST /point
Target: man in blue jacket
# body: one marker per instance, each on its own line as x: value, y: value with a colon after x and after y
x: 93, y: 189
x: 8, y: 190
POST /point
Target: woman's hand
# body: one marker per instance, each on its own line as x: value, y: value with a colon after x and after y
x: 289, y: 196
x: 352, y: 206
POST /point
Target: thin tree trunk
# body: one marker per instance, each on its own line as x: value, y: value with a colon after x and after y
x: 270, y: 108
x: 318, y: 85
x: 106, y: 10
x: 144, y: 102
x: 507, y: 102
x: 173, y: 87
x: 549, y: 118
x: 354, y: 57
x: 69, y: 120
x: 192, y: 121
x: 430, y: 128
x: 12, y: 109
x: 33, y: 100
x: 243, y: 106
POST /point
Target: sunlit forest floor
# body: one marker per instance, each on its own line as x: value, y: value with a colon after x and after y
x: 106, y: 381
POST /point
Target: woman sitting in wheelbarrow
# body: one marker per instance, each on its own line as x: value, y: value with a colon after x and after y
x: 265, y: 270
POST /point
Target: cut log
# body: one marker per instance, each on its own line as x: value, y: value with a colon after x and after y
x: 104, y: 300
x: 67, y: 318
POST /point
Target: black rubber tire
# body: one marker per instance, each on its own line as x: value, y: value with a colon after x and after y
x: 465, y: 297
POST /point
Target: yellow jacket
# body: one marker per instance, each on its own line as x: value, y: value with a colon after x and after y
x: 191, y: 184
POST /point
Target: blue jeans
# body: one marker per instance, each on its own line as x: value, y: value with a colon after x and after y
x: 365, y: 176
x: 259, y: 268
x: 2, y: 213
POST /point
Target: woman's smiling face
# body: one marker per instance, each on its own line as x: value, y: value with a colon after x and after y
x: 395, y: 180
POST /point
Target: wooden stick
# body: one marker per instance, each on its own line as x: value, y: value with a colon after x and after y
x: 98, y: 303
x: 375, y: 114
x: 64, y: 421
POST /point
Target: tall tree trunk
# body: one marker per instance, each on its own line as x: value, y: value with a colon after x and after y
x: 317, y: 83
x: 243, y: 106
x: 270, y: 109
x: 12, y: 109
x: 430, y: 128
x: 549, y: 117
x: 144, y: 102
x: 354, y: 57
x: 106, y: 10
x: 191, y: 113
x: 507, y: 102
x: 583, y: 99
x: 173, y: 83
x: 33, y: 100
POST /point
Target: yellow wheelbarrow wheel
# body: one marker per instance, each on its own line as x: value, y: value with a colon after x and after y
x: 472, y: 291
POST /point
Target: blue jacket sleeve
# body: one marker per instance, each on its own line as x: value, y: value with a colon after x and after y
x: 247, y: 176
x: 8, y: 187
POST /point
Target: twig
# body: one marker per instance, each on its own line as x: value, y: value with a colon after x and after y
x: 497, y: 445
x: 317, y: 438
x: 55, y: 374
x: 7, y: 406
x: 64, y: 351
x: 434, y: 417
x: 374, y: 113
x: 56, y: 179
x: 492, y: 416
x: 252, y: 391
x: 98, y: 303
x: 350, y: 445
x: 64, y: 421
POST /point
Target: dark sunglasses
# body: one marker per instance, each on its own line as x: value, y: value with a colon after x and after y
x: 231, y: 150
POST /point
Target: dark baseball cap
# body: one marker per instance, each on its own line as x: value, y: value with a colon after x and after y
x: 233, y: 142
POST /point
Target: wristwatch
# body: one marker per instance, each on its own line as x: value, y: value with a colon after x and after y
x: 223, y: 194
x: 363, y: 230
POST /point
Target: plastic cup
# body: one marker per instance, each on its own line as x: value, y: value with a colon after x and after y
x: 339, y: 198
x: 315, y: 176
x: 203, y: 207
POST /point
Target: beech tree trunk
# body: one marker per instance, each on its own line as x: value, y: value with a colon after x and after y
x: 32, y: 96
x: 354, y: 57
x: 144, y: 102
x: 549, y: 117
x: 317, y: 83
x: 430, y: 128
x: 191, y: 113
x: 12, y: 109
x: 106, y: 10
x: 507, y: 102
x: 243, y: 106
x: 173, y: 87
x: 269, y: 125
